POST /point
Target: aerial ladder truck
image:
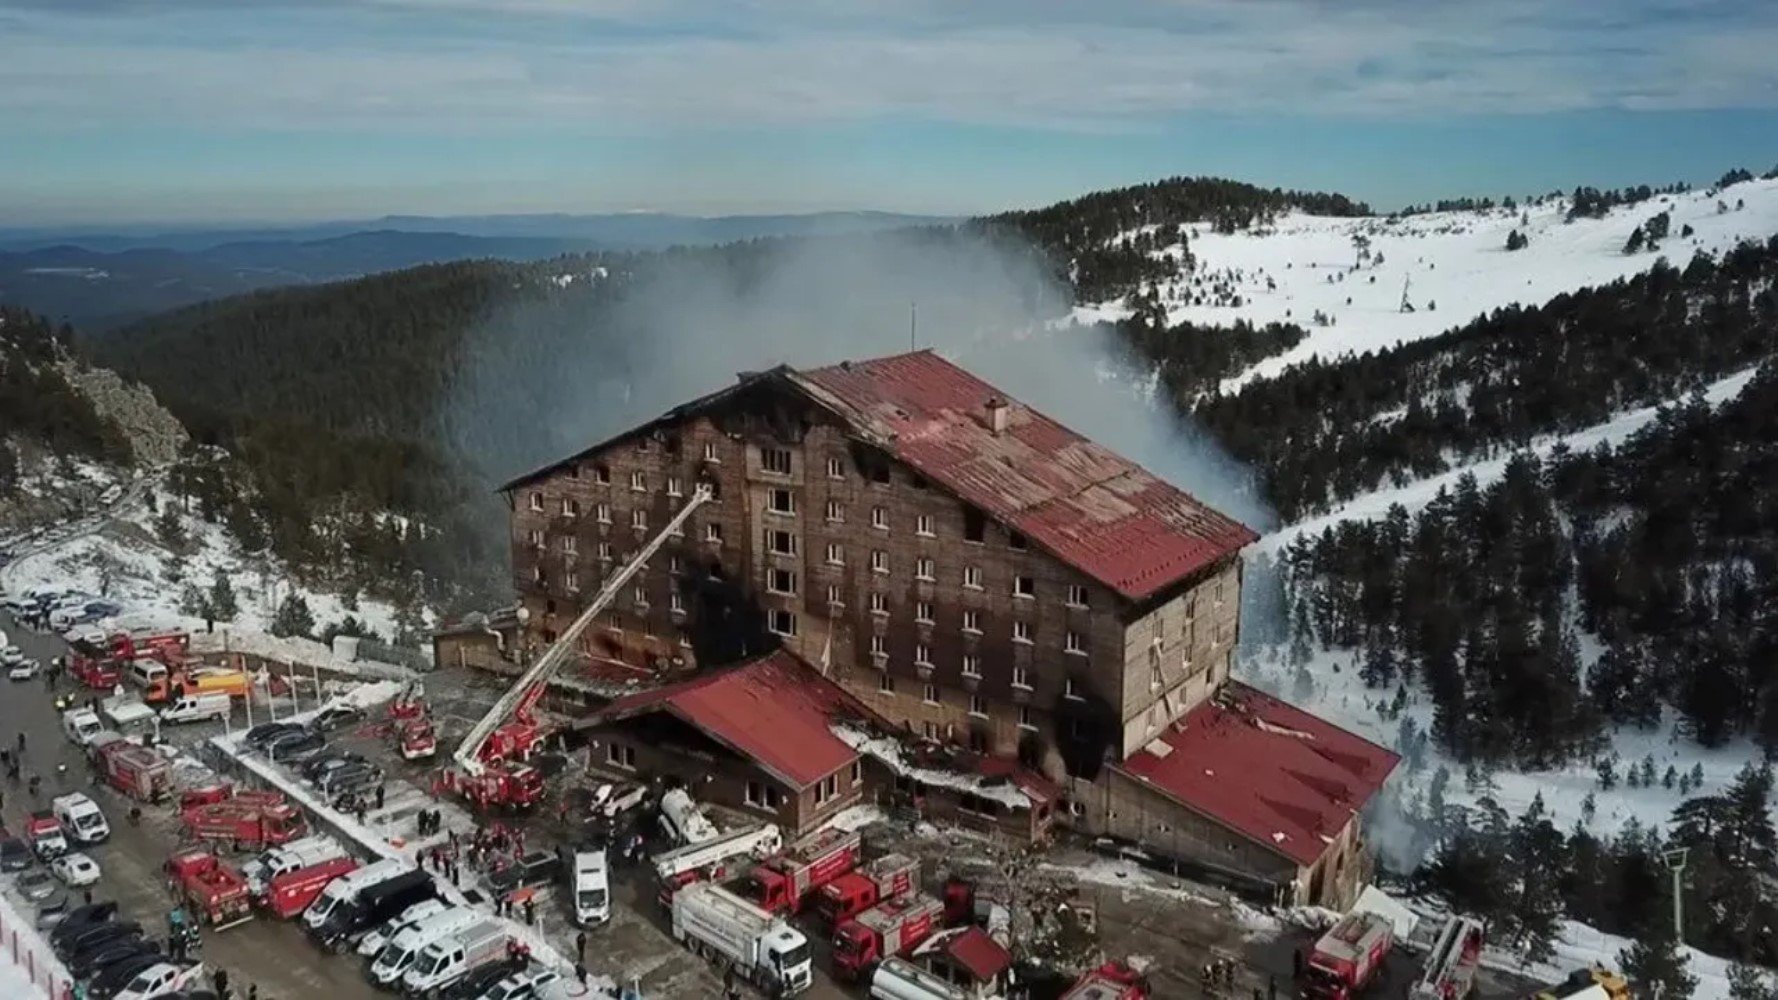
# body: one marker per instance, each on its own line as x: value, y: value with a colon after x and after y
x: 489, y: 767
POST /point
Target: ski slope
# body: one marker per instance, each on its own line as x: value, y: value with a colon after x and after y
x: 1453, y: 266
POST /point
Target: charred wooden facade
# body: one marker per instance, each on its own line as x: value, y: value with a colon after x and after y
x: 901, y: 525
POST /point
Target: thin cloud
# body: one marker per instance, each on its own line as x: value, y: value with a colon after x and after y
x: 669, y: 64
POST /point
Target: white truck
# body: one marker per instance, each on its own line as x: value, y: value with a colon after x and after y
x: 127, y: 714
x: 445, y: 961
x: 81, y: 817
x: 900, y: 979
x: 305, y: 852
x: 81, y: 725
x: 372, y: 943
x: 764, y: 949
x: 709, y: 860
x: 683, y: 821
x: 404, y: 948
x: 197, y: 708
x: 592, y: 888
x: 346, y: 888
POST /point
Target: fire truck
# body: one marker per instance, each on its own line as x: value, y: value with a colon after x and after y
x: 290, y: 893
x: 787, y: 882
x: 247, y: 820
x: 894, y: 928
x: 214, y: 889
x: 100, y: 665
x: 488, y: 768
x: 888, y: 877
x: 1450, y: 969
x: 709, y: 860
x: 1349, y: 956
x: 133, y: 769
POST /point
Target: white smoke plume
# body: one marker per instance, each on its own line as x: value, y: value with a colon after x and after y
x: 543, y: 380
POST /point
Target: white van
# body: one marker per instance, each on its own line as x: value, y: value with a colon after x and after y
x: 146, y: 673
x: 592, y: 889
x: 398, y: 955
x: 372, y: 943
x: 449, y: 959
x: 344, y: 889
x: 80, y: 816
x: 197, y: 708
x: 304, y: 852
x: 81, y: 725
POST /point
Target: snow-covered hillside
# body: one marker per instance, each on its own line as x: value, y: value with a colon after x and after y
x: 118, y: 555
x: 1454, y: 266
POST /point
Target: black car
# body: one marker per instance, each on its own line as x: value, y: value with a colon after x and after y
x: 117, y: 975
x: 89, y: 962
x: 85, y: 939
x: 336, y: 717
x: 265, y: 732
x: 472, y: 984
x: 535, y: 868
x: 14, y: 855
x: 78, y: 919
x: 316, y: 766
x: 296, y: 746
x: 350, y: 778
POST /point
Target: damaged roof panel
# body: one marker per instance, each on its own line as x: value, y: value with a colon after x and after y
x: 1267, y: 769
x: 1092, y: 508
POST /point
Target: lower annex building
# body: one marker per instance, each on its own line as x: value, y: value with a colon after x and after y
x: 943, y: 563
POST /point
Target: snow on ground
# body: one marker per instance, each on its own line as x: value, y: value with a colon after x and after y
x: 1456, y: 260
x: 1419, y: 493
x: 888, y: 751
x: 22, y: 940
x: 125, y: 562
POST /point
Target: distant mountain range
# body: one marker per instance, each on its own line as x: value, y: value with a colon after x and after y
x: 98, y: 279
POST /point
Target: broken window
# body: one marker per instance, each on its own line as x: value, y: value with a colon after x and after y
x: 781, y: 581
x: 783, y: 623
x: 975, y: 526
x: 1024, y: 586
x: 602, y: 473
x: 775, y: 460
x: 1015, y: 541
x: 781, y: 502
x: 781, y: 543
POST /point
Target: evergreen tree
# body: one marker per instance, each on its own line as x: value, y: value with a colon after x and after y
x: 1636, y: 241
x: 169, y: 530
x: 220, y: 604
x: 1749, y: 983
x: 1654, y: 959
x: 193, y: 602
x: 293, y: 617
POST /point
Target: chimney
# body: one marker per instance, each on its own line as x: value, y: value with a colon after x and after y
x: 997, y: 414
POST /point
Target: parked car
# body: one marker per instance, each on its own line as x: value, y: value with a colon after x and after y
x: 520, y: 985
x: 316, y: 766
x: 336, y: 717
x: 86, y: 940
x: 350, y: 778
x: 113, y: 978
x: 36, y: 884
x: 92, y: 961
x: 23, y: 670
x: 265, y: 732
x: 472, y: 985
x: 295, y: 747
x: 15, y: 856
x: 75, y: 869
x: 52, y: 911
x: 82, y: 918
x: 10, y: 655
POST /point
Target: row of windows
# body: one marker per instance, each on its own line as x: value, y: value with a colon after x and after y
x: 926, y: 568
x: 932, y: 694
x: 972, y: 667
x: 1072, y: 642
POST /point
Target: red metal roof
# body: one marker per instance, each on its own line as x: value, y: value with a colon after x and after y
x: 1270, y: 770
x: 974, y: 951
x: 1092, y: 508
x: 773, y: 710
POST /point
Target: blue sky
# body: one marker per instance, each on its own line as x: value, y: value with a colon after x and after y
x: 269, y: 110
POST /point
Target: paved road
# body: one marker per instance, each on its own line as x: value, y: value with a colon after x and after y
x: 275, y: 956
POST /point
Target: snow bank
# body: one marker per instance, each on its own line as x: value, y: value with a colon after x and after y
x: 888, y: 750
x: 28, y: 967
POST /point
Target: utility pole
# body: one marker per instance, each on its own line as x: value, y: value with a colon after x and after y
x: 1675, y: 859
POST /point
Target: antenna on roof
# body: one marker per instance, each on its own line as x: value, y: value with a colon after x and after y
x: 913, y: 326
